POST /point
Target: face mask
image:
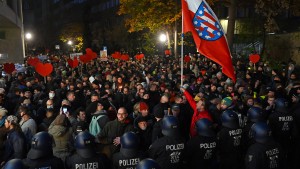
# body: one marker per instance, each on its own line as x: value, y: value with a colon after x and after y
x: 142, y: 127
x: 51, y: 95
x: 50, y: 107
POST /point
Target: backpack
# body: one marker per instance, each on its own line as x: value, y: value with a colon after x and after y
x: 94, y: 127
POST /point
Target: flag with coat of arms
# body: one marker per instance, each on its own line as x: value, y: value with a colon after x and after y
x: 208, y: 34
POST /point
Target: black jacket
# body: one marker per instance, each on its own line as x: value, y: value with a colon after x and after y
x: 201, y: 152
x: 76, y: 161
x: 15, y: 146
x: 264, y: 156
x: 47, y: 162
x: 168, y: 152
x: 123, y: 160
x: 229, y: 147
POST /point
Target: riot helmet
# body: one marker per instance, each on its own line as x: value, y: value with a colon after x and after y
x: 281, y: 105
x: 41, y: 146
x: 170, y: 126
x: 14, y: 164
x: 175, y: 109
x: 84, y: 144
x: 261, y: 132
x: 148, y: 163
x: 129, y: 144
x: 205, y: 128
x: 255, y: 114
x: 230, y: 119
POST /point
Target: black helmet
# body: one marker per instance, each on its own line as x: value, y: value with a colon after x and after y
x: 230, y: 119
x: 84, y: 144
x: 261, y: 132
x: 170, y: 126
x: 204, y: 128
x: 255, y: 114
x: 129, y: 144
x: 175, y: 109
x: 281, y: 105
x: 14, y: 164
x: 41, y: 145
x: 148, y: 163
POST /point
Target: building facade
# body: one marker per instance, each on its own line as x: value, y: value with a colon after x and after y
x: 12, y: 47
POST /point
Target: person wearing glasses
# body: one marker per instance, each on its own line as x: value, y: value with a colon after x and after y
x: 109, y: 137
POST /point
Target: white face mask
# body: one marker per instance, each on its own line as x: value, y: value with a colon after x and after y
x: 143, y: 127
x: 49, y: 107
x: 51, y: 95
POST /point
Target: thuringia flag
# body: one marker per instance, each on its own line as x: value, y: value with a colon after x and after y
x: 208, y: 34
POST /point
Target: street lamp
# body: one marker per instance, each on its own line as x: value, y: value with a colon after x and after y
x: 162, y: 37
x: 70, y: 42
x: 28, y: 37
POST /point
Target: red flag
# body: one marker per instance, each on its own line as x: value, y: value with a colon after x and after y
x: 208, y: 34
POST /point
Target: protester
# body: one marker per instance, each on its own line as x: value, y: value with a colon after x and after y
x: 61, y: 131
x: 15, y: 145
x: 150, y: 89
x: 112, y: 131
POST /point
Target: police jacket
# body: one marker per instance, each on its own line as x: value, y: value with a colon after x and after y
x: 281, y: 125
x: 247, y: 141
x: 168, y: 152
x: 77, y: 162
x: 129, y: 160
x: 15, y: 146
x: 201, y: 152
x: 229, y: 148
x: 264, y: 156
x: 229, y: 141
x: 42, y: 163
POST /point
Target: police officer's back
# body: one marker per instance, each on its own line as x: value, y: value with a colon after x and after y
x: 254, y: 114
x: 129, y: 156
x: 265, y: 153
x: 281, y: 122
x: 229, y: 140
x: 41, y: 154
x: 86, y: 156
x: 168, y: 150
x: 201, y: 150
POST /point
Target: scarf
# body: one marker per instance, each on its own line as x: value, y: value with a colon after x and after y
x: 2, y: 121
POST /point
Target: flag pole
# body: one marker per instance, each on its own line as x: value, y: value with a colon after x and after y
x: 181, y: 58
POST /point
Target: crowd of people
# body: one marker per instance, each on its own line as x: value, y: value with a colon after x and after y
x: 136, y: 114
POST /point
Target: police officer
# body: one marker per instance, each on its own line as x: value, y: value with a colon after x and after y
x: 14, y: 164
x: 129, y: 156
x: 86, y: 156
x: 254, y: 114
x: 201, y: 150
x: 148, y: 164
x: 168, y: 150
x: 41, y: 154
x: 265, y: 152
x: 281, y: 123
x: 229, y: 141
